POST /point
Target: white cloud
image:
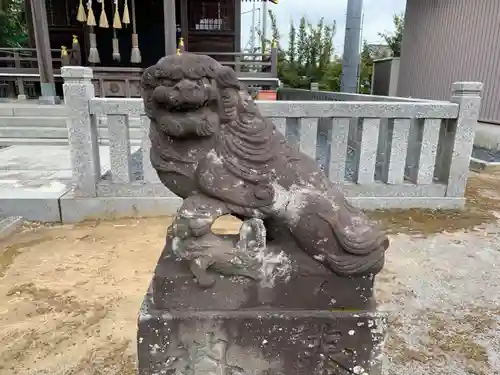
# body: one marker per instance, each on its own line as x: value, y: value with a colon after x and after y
x: 377, y: 17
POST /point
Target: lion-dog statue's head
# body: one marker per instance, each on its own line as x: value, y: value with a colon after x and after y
x: 182, y: 94
x: 198, y: 109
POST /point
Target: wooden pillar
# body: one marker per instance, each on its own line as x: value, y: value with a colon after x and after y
x: 29, y: 21
x: 44, y: 56
x: 184, y: 24
x: 170, y: 26
x: 237, y: 26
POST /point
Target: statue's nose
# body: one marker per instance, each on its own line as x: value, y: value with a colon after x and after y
x: 186, y: 86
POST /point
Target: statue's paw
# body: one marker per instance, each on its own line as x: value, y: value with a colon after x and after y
x: 199, y: 268
x: 252, y: 235
x: 205, y: 280
x: 192, y: 224
x: 199, y: 229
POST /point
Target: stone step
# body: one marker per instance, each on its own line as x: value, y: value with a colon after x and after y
x: 46, y: 132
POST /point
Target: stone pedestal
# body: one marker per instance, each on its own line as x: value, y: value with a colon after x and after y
x: 48, y: 94
x: 307, y: 323
x: 255, y: 307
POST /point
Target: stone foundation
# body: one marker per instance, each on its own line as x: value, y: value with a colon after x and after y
x: 259, y: 342
x: 313, y: 323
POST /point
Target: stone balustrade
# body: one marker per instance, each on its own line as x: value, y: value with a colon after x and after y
x: 382, y: 154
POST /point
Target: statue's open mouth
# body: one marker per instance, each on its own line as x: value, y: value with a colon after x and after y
x: 187, y: 107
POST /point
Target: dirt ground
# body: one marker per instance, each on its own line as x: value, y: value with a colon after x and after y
x: 69, y: 295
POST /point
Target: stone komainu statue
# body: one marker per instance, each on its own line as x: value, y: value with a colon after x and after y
x: 212, y: 147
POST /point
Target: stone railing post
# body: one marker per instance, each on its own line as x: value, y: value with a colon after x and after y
x: 468, y: 96
x: 82, y: 130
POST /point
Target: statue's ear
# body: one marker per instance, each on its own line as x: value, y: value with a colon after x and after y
x: 226, y: 78
x: 148, y: 79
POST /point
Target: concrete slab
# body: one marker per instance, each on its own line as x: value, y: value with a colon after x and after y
x: 74, y: 209
x: 9, y: 225
x: 478, y: 165
x: 32, y: 209
x: 34, y: 178
x: 44, y: 158
x: 38, y: 158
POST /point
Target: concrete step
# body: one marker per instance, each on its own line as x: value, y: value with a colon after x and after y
x: 33, y: 132
x: 52, y: 121
x: 32, y: 110
x: 38, y: 121
x: 51, y: 141
x: 52, y: 132
x: 32, y: 141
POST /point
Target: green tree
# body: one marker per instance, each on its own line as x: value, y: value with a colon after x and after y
x: 13, y: 25
x: 365, y: 69
x: 309, y: 54
x: 292, y: 45
x: 395, y: 38
x: 331, y: 79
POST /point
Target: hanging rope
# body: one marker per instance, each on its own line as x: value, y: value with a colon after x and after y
x: 81, y: 16
x: 93, y: 57
x: 90, y: 17
x: 93, y: 52
x: 116, y: 25
x: 135, y: 54
x: 103, y: 22
x: 126, y: 14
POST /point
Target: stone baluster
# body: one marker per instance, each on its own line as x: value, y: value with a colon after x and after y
x: 468, y: 96
x: 82, y: 130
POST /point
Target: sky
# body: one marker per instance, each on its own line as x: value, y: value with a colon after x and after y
x: 377, y: 17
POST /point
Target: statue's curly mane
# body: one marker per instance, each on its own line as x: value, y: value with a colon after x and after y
x: 247, y: 138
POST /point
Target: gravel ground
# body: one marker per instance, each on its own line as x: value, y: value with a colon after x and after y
x: 443, y: 293
x: 69, y: 295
